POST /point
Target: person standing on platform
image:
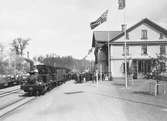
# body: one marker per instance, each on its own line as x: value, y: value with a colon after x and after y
x: 97, y: 77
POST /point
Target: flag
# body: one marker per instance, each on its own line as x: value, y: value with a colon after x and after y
x: 121, y: 4
x: 89, y: 52
x: 93, y: 41
x: 99, y: 21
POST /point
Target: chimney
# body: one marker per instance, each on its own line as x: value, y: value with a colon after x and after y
x: 123, y: 27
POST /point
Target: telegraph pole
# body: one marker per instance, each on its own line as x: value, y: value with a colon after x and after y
x: 125, y: 50
x: 108, y: 36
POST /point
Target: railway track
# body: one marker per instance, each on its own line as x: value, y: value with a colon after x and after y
x: 9, y: 92
x: 13, y: 106
x: 5, y: 106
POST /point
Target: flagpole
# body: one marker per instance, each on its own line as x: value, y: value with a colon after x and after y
x: 96, y: 23
x: 108, y: 55
x: 125, y: 50
x: 126, y: 76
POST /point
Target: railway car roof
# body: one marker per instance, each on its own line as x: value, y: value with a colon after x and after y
x: 52, y: 69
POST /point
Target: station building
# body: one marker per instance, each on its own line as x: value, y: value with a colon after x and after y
x: 145, y: 40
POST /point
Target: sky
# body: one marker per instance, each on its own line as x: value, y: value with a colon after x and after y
x: 63, y: 26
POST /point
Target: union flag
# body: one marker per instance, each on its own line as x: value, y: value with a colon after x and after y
x: 99, y: 21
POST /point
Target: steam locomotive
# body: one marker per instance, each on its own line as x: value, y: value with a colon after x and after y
x: 43, y: 78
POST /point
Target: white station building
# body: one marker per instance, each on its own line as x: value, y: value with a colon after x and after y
x: 145, y: 40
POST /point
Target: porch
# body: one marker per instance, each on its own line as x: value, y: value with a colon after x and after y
x: 141, y: 67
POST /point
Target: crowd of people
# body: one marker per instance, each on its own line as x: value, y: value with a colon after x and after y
x: 89, y: 76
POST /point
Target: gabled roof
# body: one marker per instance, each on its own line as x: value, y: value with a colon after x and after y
x: 102, y: 36
x: 143, y: 21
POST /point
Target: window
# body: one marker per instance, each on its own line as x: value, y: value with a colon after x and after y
x: 127, y: 50
x: 144, y: 50
x: 144, y: 34
x: 161, y: 36
x: 162, y: 49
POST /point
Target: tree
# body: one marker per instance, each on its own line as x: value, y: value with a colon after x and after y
x: 69, y: 62
x: 159, y: 66
x: 1, y: 48
x: 16, y: 60
x: 3, y: 63
x: 19, y: 45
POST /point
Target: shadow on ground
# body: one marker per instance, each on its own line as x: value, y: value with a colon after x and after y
x: 118, y: 84
x: 143, y: 93
x: 74, y: 92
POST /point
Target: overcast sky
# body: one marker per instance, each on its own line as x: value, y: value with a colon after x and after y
x: 62, y: 26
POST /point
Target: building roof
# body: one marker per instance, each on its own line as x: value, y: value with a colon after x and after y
x: 143, y: 21
x: 101, y: 37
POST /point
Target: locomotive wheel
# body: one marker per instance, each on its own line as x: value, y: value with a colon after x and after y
x: 37, y: 93
x: 43, y: 93
x: 43, y: 90
x: 30, y: 93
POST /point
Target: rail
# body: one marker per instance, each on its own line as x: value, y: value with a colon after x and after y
x: 9, y: 92
x: 8, y: 109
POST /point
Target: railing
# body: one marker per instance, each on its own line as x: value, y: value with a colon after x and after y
x: 158, y: 84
